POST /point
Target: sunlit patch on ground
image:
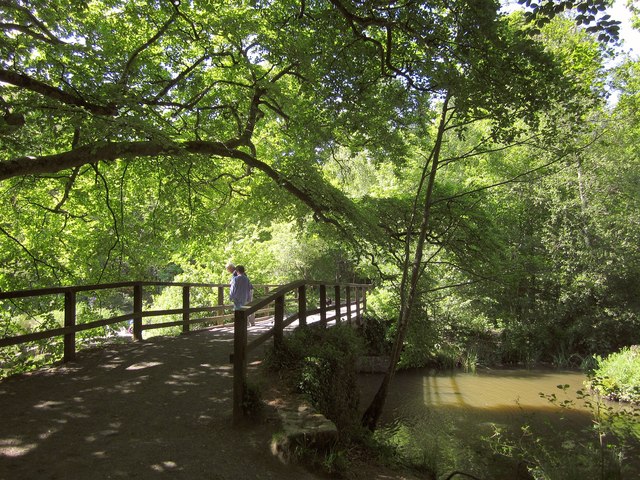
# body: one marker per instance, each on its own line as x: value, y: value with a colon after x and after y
x: 142, y: 365
x: 13, y: 447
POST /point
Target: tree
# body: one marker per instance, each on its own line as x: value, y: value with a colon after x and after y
x: 188, y: 111
x: 475, y: 84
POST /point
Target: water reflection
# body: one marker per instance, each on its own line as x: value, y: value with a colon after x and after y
x: 489, y: 389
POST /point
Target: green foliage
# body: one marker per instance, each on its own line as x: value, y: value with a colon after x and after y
x: 252, y: 404
x: 426, y: 445
x: 383, y: 303
x: 421, y: 345
x: 25, y: 358
x: 332, y: 463
x: 617, y: 376
x: 375, y: 333
x: 589, y: 12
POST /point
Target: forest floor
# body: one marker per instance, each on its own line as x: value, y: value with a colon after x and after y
x: 156, y: 409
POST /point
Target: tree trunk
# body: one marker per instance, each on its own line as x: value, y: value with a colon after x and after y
x: 408, y: 292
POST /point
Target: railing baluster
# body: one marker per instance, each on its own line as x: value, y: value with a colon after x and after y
x: 348, y: 295
x: 302, y: 305
x: 323, y: 305
x: 221, y: 300
x: 364, y: 299
x: 278, y: 323
x: 69, y: 321
x: 137, y: 312
x: 338, y: 308
x: 186, y: 300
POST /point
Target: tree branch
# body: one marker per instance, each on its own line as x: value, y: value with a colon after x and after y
x: 109, y: 151
x: 113, y: 217
x: 28, y: 83
x: 144, y: 46
x: 35, y: 259
x: 31, y: 33
x: 176, y: 80
x: 51, y: 37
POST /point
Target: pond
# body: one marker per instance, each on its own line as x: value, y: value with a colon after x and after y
x: 467, y: 421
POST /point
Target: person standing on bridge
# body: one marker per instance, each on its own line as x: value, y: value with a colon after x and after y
x: 231, y: 268
x: 240, y: 292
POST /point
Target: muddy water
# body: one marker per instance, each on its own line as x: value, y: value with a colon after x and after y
x: 502, y: 392
x: 449, y: 417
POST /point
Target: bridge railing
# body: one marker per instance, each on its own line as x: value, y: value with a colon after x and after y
x: 189, y: 314
x: 326, y: 302
x: 299, y: 301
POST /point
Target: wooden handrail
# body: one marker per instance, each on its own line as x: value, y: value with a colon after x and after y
x: 39, y: 292
x: 71, y: 327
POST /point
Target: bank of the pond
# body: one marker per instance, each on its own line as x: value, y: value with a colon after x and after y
x: 496, y: 423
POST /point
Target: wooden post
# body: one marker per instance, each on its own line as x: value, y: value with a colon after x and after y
x: 348, y: 295
x: 323, y: 305
x: 302, y: 305
x: 358, y: 297
x: 186, y: 300
x: 278, y: 321
x: 221, y: 300
x: 239, y: 363
x: 137, y: 311
x: 69, y: 321
x: 337, y: 295
x: 364, y: 298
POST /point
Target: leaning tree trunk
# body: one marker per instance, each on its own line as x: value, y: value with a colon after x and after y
x: 408, y: 288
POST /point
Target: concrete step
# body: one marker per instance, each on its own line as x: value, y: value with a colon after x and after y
x: 303, y: 428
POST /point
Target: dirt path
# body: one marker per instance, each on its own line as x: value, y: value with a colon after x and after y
x: 152, y: 410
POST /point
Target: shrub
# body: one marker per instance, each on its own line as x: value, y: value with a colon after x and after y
x: 321, y: 365
x: 618, y: 375
x: 375, y: 333
x: 252, y: 404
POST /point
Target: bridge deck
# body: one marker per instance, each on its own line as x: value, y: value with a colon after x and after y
x: 160, y: 408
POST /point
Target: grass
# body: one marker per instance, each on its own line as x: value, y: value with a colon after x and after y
x: 617, y: 376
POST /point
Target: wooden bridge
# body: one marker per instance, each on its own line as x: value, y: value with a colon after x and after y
x: 303, y: 302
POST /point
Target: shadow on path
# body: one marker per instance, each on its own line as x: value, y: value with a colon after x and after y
x: 157, y: 409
